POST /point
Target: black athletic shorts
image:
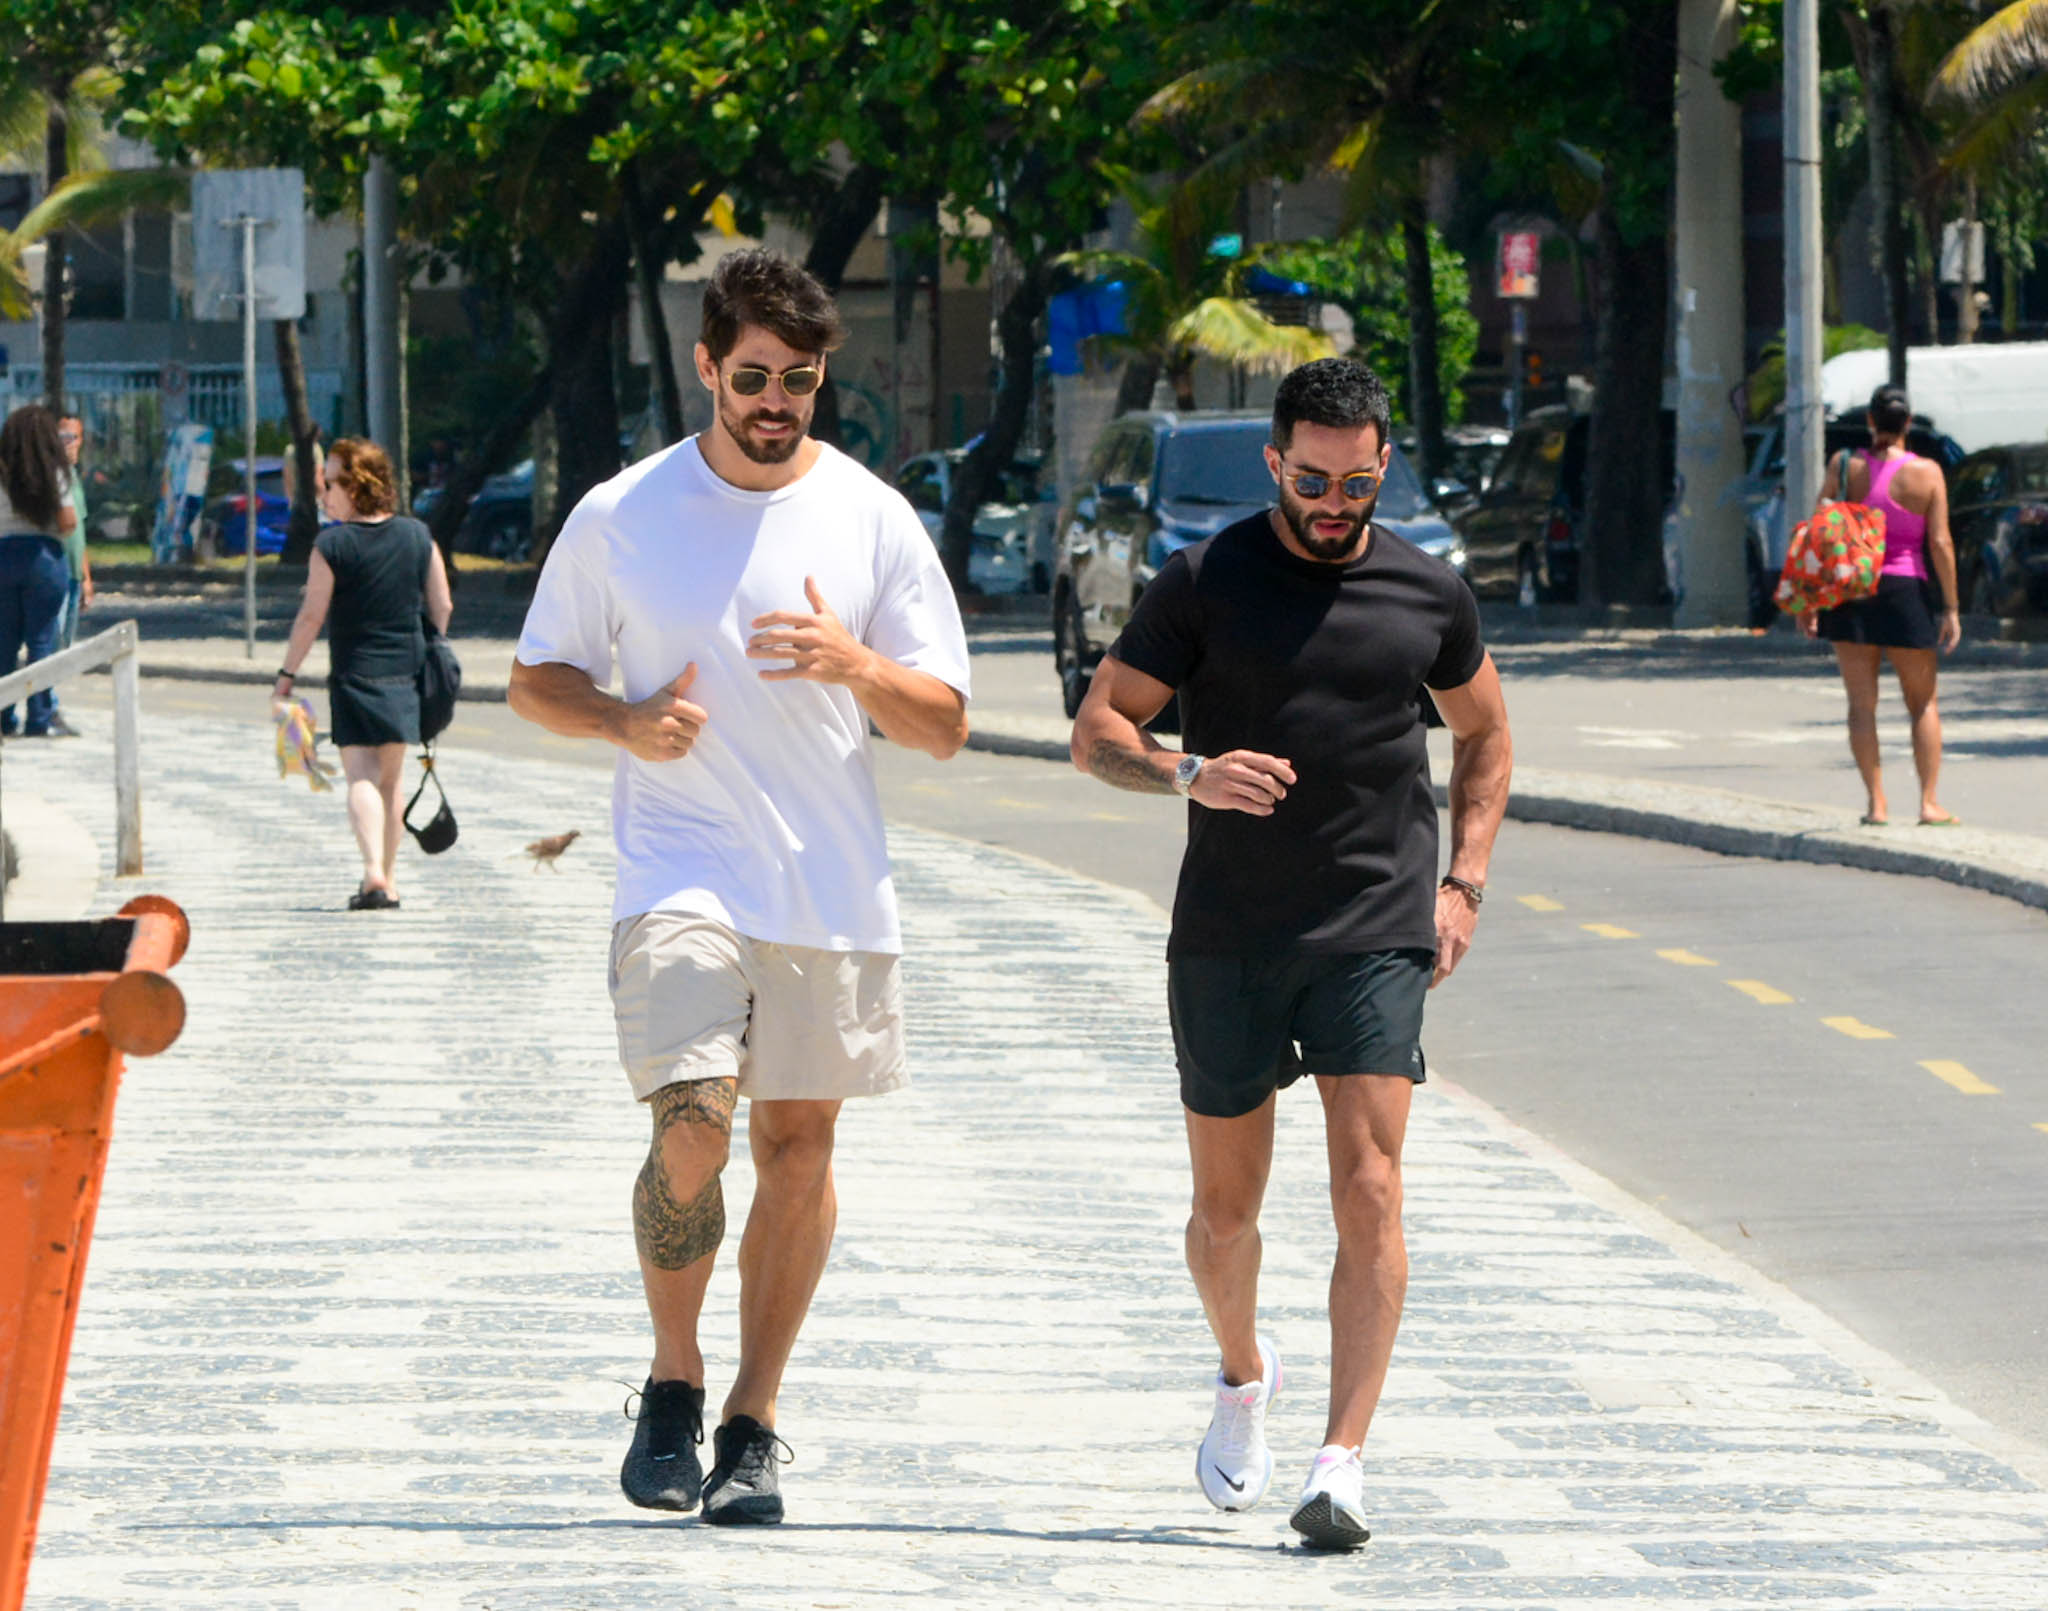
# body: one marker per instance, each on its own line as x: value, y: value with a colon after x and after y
x: 1245, y: 1026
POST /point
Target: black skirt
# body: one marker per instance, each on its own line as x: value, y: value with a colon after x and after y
x: 1899, y: 615
x: 374, y: 710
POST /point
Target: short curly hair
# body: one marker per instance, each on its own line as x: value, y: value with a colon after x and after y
x: 1338, y: 392
x: 364, y: 471
x: 763, y: 288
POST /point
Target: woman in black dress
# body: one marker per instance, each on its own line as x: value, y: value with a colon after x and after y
x: 374, y: 570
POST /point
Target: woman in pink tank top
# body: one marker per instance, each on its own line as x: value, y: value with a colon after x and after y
x: 1911, y: 617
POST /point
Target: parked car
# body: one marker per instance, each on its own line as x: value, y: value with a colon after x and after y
x: 1012, y: 550
x: 1158, y: 482
x: 1472, y: 453
x: 499, y: 521
x: 1998, y: 515
x: 1762, y: 492
x: 221, y: 527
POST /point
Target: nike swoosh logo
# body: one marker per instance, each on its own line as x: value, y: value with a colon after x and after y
x: 661, y: 1457
x: 1235, y: 1487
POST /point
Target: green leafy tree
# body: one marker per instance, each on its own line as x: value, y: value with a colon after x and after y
x: 1365, y: 275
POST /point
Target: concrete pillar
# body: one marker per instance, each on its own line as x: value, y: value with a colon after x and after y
x: 381, y: 350
x: 1710, y: 320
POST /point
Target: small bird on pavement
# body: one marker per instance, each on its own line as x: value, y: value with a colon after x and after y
x: 545, y: 851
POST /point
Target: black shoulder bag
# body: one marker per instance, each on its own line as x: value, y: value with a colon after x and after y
x: 438, y: 832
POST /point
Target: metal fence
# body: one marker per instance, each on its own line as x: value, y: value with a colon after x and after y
x: 127, y: 415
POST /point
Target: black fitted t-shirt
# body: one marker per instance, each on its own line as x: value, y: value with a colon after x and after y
x: 1323, y: 666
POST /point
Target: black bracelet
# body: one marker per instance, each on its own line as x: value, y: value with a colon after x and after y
x: 1475, y: 893
x: 288, y: 676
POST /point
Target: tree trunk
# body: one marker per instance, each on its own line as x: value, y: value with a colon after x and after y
x: 583, y: 401
x: 1134, y: 389
x: 1881, y: 107
x: 841, y: 226
x: 56, y: 131
x: 1018, y: 328
x: 1621, y: 552
x: 291, y: 377
x: 648, y: 263
x: 469, y: 473
x: 1180, y: 375
x: 1425, y: 382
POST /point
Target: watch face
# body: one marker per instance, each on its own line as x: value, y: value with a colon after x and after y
x: 1189, y: 768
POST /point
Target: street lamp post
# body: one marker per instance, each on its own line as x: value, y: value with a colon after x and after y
x: 1804, y: 422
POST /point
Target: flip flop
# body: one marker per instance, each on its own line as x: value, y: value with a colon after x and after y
x: 372, y: 900
x: 1941, y: 822
x: 1875, y: 822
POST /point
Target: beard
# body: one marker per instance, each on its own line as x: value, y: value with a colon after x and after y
x: 740, y: 427
x: 1301, y: 521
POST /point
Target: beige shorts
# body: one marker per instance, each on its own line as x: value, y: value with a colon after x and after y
x: 695, y: 1001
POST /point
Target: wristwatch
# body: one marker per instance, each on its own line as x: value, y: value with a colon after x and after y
x: 1186, y: 772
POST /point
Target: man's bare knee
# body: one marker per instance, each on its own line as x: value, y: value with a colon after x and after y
x: 1223, y: 1222
x: 1365, y: 1198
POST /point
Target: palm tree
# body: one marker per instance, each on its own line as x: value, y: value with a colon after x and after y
x: 1295, y: 89
x: 1184, y: 301
x: 2003, y: 59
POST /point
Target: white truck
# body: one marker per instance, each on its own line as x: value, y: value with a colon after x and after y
x: 1983, y: 395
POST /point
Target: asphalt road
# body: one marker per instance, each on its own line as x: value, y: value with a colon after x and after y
x: 1835, y: 1075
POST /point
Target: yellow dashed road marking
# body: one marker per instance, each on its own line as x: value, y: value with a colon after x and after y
x: 2043, y: 1128
x: 1760, y: 992
x: 1610, y: 931
x: 1540, y: 903
x: 1958, y: 1076
x: 1857, y: 1029
x: 1018, y: 805
x: 1688, y: 959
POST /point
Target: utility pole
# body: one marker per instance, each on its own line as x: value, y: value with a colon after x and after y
x: 247, y: 224
x: 1710, y: 522
x: 381, y: 351
x: 1805, y: 424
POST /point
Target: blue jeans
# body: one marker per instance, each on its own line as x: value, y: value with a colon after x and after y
x: 33, y: 582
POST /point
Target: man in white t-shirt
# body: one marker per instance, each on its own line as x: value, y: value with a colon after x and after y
x: 763, y: 598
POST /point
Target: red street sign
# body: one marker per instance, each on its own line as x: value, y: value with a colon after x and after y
x: 1520, y: 260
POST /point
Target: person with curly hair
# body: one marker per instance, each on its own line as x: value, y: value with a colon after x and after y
x: 36, y: 515
x: 375, y: 570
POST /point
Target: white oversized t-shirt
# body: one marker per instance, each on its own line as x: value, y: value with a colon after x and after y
x: 770, y: 824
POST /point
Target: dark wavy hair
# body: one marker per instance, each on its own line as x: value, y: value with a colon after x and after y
x: 1338, y: 392
x: 364, y: 471
x: 33, y: 468
x: 763, y: 288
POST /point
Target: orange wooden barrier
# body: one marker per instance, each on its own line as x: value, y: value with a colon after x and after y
x: 73, y: 998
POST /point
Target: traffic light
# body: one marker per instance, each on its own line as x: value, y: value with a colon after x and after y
x: 1532, y: 370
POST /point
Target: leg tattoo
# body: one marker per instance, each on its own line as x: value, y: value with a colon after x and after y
x: 673, y: 1235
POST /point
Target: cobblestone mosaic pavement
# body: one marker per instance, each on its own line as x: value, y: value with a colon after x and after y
x: 362, y: 1308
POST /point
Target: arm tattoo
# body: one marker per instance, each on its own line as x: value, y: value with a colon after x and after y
x: 1126, y: 769
x: 673, y: 1235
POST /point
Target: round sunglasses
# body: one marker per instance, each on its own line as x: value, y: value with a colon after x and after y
x: 753, y: 381
x: 1358, y: 485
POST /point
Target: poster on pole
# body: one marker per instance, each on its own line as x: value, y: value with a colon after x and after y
x: 276, y: 199
x: 1518, y: 266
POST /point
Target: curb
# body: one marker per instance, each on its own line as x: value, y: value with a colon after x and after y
x: 1782, y: 833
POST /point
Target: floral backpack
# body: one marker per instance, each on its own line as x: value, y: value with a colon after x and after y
x: 1834, y: 557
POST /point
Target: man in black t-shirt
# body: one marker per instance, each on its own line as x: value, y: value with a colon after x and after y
x: 1309, y: 922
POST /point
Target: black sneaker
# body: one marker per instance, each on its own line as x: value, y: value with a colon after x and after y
x: 662, y: 1471
x: 743, y: 1490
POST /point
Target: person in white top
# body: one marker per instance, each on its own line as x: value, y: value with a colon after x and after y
x: 761, y: 598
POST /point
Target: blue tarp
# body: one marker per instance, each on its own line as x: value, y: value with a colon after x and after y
x: 1072, y: 317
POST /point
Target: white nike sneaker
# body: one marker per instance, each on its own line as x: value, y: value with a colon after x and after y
x: 1234, y: 1465
x: 1331, y: 1514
